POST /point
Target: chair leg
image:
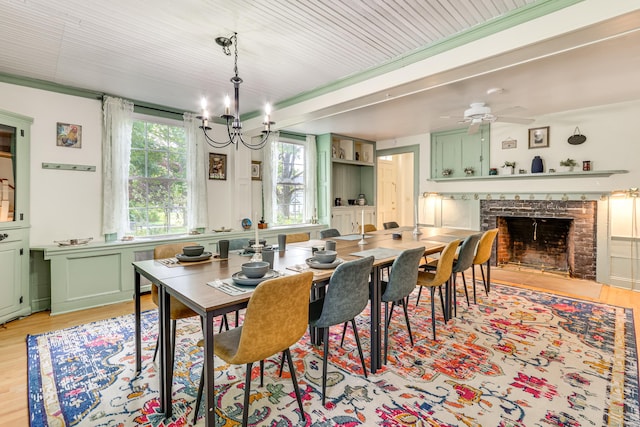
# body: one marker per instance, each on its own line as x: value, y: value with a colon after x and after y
x: 473, y: 279
x: 199, y: 397
x: 295, y: 382
x: 261, y: 373
x: 247, y: 392
x: 281, y: 364
x: 172, y: 343
x: 324, y: 365
x: 464, y: 283
x: 355, y: 333
x: 406, y: 318
x: 419, y: 294
x: 484, y: 281
x: 488, y: 284
x: 444, y: 310
x: 387, y: 318
x: 433, y: 312
x: 453, y: 295
x: 344, y: 331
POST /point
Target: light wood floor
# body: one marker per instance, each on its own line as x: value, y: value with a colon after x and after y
x: 13, y: 353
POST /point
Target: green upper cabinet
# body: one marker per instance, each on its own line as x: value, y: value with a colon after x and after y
x: 456, y: 150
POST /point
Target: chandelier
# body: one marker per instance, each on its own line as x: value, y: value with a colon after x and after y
x: 234, y: 125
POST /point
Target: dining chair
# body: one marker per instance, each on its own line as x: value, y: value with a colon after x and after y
x: 483, y: 255
x: 439, y: 277
x: 276, y: 317
x: 390, y: 224
x: 368, y: 228
x: 461, y: 263
x: 329, y: 232
x: 402, y: 281
x: 298, y: 237
x: 178, y: 310
x: 347, y: 296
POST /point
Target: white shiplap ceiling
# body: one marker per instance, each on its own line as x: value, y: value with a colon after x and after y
x: 163, y: 52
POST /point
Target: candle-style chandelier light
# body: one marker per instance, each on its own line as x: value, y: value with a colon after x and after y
x: 234, y: 125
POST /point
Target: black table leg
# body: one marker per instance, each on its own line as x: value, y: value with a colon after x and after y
x: 138, y: 321
x: 166, y: 359
x: 209, y: 387
x: 375, y: 321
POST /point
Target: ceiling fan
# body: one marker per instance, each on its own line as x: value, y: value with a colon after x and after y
x: 479, y: 113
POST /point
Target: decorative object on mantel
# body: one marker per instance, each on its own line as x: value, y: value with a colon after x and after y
x: 493, y: 171
x: 73, y: 242
x: 469, y: 171
x: 577, y: 138
x: 509, y: 143
x: 539, y: 137
x: 262, y: 225
x: 522, y: 171
x: 447, y: 172
x: 586, y: 165
x: 507, y: 168
x: 536, y: 165
x: 234, y: 125
x: 567, y: 165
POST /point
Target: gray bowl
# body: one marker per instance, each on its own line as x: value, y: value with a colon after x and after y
x: 325, y: 257
x: 193, y: 250
x: 255, y: 270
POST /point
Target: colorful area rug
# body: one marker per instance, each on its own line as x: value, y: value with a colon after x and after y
x: 517, y: 358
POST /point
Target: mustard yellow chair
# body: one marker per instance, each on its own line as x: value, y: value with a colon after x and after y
x: 368, y: 228
x: 483, y: 255
x: 439, y: 277
x: 298, y: 237
x: 276, y: 318
x: 178, y: 309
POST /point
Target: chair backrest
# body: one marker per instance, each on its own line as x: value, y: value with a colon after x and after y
x: 466, y: 253
x: 347, y: 293
x: 404, y: 275
x: 276, y: 317
x: 170, y: 250
x: 390, y: 224
x: 236, y: 244
x: 445, y: 263
x: 329, y: 232
x: 298, y: 237
x: 368, y: 228
x: 483, y: 253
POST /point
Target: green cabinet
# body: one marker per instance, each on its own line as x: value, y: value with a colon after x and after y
x: 14, y: 215
x: 456, y: 150
x: 346, y: 169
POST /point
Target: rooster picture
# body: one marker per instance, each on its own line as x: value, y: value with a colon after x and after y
x: 69, y: 135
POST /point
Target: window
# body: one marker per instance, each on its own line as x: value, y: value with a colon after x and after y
x: 157, y: 179
x: 289, y: 190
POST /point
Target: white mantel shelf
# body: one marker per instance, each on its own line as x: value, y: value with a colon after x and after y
x: 544, y: 175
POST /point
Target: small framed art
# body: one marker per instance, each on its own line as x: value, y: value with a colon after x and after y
x: 256, y: 170
x: 217, y: 166
x: 68, y: 135
x: 539, y: 137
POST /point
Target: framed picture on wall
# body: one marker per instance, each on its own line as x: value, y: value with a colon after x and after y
x: 217, y: 166
x: 256, y: 170
x: 68, y: 135
x: 539, y: 137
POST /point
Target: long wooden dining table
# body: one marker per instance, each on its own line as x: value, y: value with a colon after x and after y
x: 193, y: 284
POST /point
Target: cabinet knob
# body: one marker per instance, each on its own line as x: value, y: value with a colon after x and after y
x: 3, y: 236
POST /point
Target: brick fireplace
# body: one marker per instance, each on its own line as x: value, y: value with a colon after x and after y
x: 546, y: 235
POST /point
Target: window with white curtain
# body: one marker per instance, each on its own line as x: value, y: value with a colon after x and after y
x: 158, y: 178
x: 289, y: 190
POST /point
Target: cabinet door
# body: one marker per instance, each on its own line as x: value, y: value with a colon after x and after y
x: 457, y: 150
x: 344, y: 221
x: 11, y: 268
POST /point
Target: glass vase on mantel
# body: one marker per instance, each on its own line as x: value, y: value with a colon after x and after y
x: 536, y: 165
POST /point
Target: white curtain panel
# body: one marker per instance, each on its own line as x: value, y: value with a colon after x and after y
x: 116, y: 153
x: 270, y: 158
x: 310, y: 184
x: 197, y: 204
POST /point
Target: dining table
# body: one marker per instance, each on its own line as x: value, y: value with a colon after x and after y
x: 207, y: 288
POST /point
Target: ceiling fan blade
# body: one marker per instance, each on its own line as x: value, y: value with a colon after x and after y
x: 473, y: 127
x: 516, y: 120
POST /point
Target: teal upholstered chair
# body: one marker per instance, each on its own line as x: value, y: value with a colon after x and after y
x: 402, y: 281
x: 347, y: 295
x: 329, y: 232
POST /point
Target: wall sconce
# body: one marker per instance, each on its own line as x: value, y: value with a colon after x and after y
x: 631, y: 192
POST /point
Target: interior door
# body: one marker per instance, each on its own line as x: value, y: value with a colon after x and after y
x: 387, y: 192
